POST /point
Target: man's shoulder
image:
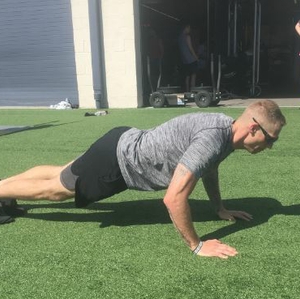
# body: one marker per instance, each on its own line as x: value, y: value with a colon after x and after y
x: 211, y: 119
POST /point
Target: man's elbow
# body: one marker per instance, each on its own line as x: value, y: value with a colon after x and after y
x: 171, y: 202
x: 175, y: 201
x: 167, y: 201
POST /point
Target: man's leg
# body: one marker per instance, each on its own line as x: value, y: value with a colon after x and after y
x: 38, y: 172
x: 187, y: 83
x: 193, y: 80
x: 38, y: 183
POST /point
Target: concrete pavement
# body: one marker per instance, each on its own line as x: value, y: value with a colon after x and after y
x: 234, y: 103
x: 282, y: 102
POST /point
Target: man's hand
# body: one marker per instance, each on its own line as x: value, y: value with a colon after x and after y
x: 232, y: 215
x: 215, y: 248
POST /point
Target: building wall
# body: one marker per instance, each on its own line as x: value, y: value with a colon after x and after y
x: 121, y: 52
x: 83, y: 57
x: 52, y: 50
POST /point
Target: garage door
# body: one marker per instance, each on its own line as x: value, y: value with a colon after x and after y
x: 37, y: 61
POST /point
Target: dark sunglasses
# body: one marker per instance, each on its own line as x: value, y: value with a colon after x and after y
x: 269, y: 139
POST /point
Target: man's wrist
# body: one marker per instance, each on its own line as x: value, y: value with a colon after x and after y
x: 193, y: 244
x: 198, y: 248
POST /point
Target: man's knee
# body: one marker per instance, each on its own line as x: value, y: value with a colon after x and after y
x: 59, y: 196
x: 56, y: 191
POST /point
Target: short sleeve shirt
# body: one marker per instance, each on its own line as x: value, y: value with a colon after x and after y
x: 148, y: 158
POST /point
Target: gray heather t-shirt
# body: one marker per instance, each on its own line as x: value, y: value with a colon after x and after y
x: 148, y: 158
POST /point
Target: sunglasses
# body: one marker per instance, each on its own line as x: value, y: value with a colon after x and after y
x: 269, y: 139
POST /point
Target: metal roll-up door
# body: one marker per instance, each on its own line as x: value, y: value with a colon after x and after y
x: 37, y: 60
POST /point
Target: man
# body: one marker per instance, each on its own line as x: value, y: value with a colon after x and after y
x: 188, y: 56
x: 172, y: 156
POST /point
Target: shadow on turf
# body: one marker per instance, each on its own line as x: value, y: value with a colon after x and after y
x: 37, y: 127
x: 143, y: 212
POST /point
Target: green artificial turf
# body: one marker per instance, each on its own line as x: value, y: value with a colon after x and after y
x: 126, y: 246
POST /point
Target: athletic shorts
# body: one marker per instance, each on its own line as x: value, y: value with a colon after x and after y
x: 96, y: 174
x: 190, y: 68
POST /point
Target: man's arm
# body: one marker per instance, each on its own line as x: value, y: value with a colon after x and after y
x: 189, y: 43
x: 176, y: 201
x: 211, y: 185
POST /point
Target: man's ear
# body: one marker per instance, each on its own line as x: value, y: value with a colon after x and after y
x: 252, y: 128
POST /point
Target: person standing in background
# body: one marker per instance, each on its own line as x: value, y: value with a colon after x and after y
x: 155, y: 52
x: 189, y: 57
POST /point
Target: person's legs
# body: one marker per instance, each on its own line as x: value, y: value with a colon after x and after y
x: 193, y: 74
x: 193, y: 81
x: 38, y: 183
x: 187, y: 83
x: 45, y: 172
x: 58, y: 183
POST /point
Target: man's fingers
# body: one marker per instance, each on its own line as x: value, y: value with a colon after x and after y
x: 242, y: 215
x: 239, y: 214
x: 215, y: 248
x: 223, y: 256
x: 227, y: 250
x: 232, y: 215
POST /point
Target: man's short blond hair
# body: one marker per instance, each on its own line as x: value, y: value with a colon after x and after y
x: 268, y: 111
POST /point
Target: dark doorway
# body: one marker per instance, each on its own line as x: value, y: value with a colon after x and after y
x: 279, y: 64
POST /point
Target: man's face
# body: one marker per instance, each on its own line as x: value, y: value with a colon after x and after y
x: 259, y: 138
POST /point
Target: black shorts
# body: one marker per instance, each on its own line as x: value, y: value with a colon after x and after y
x: 190, y: 68
x: 96, y: 174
